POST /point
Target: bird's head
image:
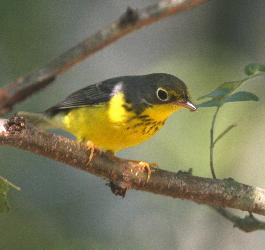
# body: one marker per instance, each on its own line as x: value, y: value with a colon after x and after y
x: 167, y: 89
x: 159, y: 92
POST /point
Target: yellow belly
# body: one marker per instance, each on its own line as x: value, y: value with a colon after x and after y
x: 111, y: 126
x: 94, y: 124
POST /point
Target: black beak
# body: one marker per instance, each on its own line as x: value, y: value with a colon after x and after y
x: 188, y: 104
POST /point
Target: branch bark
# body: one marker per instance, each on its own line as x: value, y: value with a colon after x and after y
x: 127, y: 174
x: 130, y: 21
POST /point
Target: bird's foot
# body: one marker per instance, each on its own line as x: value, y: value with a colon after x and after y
x: 91, y: 147
x: 146, y: 167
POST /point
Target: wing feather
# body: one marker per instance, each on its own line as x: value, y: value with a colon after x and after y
x: 90, y: 95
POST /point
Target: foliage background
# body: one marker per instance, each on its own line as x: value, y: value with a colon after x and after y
x: 62, y: 208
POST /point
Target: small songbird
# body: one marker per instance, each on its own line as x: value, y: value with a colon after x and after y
x: 117, y: 113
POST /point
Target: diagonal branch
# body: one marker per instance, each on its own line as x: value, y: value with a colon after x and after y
x: 127, y: 174
x: 130, y: 21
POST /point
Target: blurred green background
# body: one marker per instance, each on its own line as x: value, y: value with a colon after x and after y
x: 63, y: 208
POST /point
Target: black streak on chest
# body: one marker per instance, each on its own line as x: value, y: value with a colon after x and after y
x: 146, y: 124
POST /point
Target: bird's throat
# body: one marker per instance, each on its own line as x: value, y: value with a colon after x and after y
x: 161, y: 112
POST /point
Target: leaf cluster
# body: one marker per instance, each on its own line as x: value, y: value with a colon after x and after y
x: 225, y: 93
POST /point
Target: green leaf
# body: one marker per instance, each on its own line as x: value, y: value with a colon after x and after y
x: 211, y: 103
x: 223, y: 93
x: 254, y: 68
x: 241, y: 96
x: 223, y: 90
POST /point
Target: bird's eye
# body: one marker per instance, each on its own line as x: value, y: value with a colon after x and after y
x: 162, y: 94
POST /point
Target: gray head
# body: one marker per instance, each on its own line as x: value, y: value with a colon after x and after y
x: 157, y: 88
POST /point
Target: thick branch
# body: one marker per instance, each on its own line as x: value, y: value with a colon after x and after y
x: 130, y: 21
x: 127, y: 174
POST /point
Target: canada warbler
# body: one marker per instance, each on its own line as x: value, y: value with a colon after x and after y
x: 119, y: 112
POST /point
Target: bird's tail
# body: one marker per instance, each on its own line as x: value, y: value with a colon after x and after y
x: 38, y: 119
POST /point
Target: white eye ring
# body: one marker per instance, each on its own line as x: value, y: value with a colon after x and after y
x: 162, y: 94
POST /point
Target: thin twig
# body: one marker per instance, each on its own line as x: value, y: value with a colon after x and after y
x: 9, y: 183
x: 212, y: 142
x: 248, y: 223
x: 228, y: 129
x: 130, y: 21
x: 128, y: 174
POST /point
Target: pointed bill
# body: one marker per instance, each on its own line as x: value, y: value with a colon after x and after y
x: 189, y: 105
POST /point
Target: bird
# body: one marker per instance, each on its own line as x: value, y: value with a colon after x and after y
x: 117, y: 113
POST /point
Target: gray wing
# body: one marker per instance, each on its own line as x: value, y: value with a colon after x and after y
x: 91, y: 95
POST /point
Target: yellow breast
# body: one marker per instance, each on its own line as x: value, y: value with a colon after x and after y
x: 112, y: 126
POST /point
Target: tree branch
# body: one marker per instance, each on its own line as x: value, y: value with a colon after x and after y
x: 130, y: 21
x: 128, y: 174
